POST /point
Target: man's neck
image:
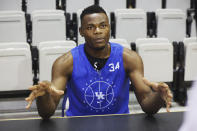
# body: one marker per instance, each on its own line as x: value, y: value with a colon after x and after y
x: 102, y: 53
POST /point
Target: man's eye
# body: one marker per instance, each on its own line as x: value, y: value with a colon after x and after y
x: 89, y: 27
x: 103, y: 26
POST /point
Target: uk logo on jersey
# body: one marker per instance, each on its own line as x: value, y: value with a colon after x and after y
x: 99, y: 95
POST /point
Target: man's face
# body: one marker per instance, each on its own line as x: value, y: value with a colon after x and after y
x: 95, y: 29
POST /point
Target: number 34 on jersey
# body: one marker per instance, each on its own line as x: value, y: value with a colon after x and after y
x: 114, y: 67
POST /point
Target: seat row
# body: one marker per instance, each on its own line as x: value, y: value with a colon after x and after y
x: 72, y: 6
x: 159, y: 57
x: 129, y: 24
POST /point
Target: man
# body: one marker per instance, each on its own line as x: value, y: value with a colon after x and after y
x: 96, y: 76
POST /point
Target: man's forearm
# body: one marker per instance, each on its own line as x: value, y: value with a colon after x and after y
x: 46, y: 106
x: 152, y: 103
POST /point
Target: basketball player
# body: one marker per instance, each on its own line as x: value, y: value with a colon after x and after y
x: 96, y: 75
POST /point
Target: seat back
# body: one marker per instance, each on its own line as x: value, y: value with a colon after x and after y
x: 117, y: 4
x: 193, y: 28
x: 130, y: 24
x: 171, y: 24
x: 72, y: 6
x: 157, y: 57
x: 122, y: 42
x: 12, y: 26
x: 11, y: 5
x: 178, y: 4
x: 33, y: 5
x: 149, y: 5
x: 48, y: 53
x: 16, y: 66
x: 48, y: 25
x: 190, y: 58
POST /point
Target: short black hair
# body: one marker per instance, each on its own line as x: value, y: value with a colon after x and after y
x: 92, y: 9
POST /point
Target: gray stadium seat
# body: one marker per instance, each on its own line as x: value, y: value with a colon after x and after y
x: 48, y: 53
x: 130, y: 24
x: 122, y: 42
x: 149, y: 5
x: 157, y: 56
x: 80, y: 39
x: 16, y: 66
x: 171, y: 24
x: 48, y: 25
x: 190, y: 58
x: 14, y: 5
x: 12, y: 26
x: 193, y: 28
x: 33, y: 5
x: 72, y: 6
x: 178, y: 4
x: 112, y: 5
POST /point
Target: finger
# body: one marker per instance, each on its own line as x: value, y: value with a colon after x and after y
x: 46, y: 86
x: 168, y: 105
x: 55, y: 91
x: 59, y: 92
x: 32, y: 97
x: 29, y: 105
x: 35, y: 87
x: 51, y: 89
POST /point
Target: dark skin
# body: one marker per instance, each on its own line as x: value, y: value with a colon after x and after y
x: 96, y: 29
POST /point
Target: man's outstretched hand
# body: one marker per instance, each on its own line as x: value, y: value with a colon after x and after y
x: 40, y: 90
x: 163, y: 90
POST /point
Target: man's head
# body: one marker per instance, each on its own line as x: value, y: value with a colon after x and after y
x: 95, y: 27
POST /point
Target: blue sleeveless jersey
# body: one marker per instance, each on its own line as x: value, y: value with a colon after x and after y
x: 92, y: 92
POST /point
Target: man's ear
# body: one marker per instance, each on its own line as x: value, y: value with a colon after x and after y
x: 81, y: 32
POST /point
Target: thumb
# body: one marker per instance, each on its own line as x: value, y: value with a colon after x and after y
x: 153, y: 85
x: 56, y: 91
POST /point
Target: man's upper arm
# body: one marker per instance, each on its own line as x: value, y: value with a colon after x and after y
x: 134, y: 68
x: 62, y: 70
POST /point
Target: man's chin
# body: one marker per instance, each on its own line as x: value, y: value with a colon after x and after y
x: 99, y: 48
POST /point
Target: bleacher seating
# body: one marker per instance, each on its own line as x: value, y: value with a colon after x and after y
x: 122, y: 42
x: 193, y: 28
x: 8, y: 5
x: 190, y: 58
x: 33, y: 5
x: 171, y: 24
x: 112, y: 5
x: 16, y: 66
x: 157, y: 56
x: 49, y: 35
x: 74, y: 5
x: 48, y: 53
x: 80, y: 39
x: 12, y: 26
x: 130, y: 24
x: 48, y: 25
x: 149, y: 5
x: 178, y: 4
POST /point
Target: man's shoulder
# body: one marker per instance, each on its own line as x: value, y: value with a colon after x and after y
x: 65, y: 60
x: 131, y: 59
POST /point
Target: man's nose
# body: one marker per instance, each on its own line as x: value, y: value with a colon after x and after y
x: 97, y: 30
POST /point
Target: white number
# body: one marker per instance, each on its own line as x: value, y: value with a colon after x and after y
x: 112, y: 68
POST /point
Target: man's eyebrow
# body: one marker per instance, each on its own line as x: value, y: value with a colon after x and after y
x: 104, y: 22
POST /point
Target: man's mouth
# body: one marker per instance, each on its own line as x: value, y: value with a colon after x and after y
x: 99, y: 40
